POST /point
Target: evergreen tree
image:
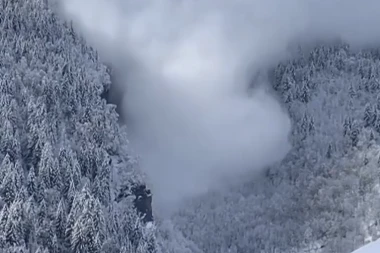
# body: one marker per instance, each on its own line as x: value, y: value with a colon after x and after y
x: 48, y: 167
x: 14, y: 227
x: 60, y: 221
x: 32, y: 182
x: 3, y: 218
x: 10, y: 184
x: 88, y: 230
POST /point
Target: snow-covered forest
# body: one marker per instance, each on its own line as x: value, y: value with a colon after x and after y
x: 323, y: 197
x: 70, y: 182
x: 63, y: 154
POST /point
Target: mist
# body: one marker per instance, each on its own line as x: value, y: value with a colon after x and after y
x: 192, y: 76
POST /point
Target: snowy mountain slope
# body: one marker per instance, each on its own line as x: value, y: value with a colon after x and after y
x: 325, y: 192
x: 62, y: 153
x: 63, y: 158
x: 317, y: 198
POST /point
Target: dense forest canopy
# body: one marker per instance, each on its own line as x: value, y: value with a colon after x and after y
x: 63, y: 155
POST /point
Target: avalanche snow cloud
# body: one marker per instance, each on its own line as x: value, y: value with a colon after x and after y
x: 184, y: 72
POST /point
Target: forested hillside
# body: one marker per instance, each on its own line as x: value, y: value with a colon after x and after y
x: 69, y: 184
x: 63, y: 156
x: 324, y: 196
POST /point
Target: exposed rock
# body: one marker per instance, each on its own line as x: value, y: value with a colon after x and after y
x: 142, y: 200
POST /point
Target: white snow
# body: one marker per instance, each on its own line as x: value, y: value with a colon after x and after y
x: 149, y: 225
x: 373, y: 247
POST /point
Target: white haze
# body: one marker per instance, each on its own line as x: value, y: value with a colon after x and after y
x: 189, y: 67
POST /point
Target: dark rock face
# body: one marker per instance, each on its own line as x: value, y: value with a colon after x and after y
x: 142, y: 200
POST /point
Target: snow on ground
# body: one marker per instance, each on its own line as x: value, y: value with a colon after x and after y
x: 373, y: 247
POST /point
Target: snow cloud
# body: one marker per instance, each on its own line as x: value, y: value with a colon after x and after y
x: 184, y: 69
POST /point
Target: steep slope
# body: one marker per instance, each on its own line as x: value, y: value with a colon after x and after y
x: 323, y: 197
x: 63, y: 156
x: 64, y: 160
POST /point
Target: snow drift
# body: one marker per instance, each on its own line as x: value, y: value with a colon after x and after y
x: 186, y: 68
